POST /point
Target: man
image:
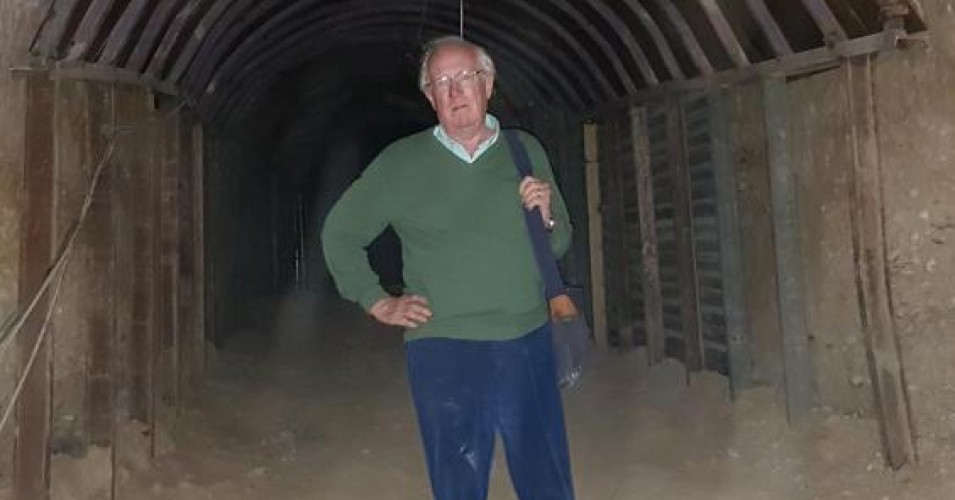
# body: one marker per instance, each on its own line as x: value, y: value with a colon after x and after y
x: 478, y: 344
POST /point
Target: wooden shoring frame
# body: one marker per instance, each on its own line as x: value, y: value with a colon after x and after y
x: 31, y: 457
x: 652, y: 292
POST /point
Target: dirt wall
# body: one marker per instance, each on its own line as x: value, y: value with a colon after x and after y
x: 916, y: 120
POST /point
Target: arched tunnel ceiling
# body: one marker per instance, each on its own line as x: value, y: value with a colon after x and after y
x: 222, y: 54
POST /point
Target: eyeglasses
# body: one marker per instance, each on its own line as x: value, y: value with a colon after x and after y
x: 466, y: 78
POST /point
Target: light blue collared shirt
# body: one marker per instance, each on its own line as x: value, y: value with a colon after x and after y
x: 455, y: 147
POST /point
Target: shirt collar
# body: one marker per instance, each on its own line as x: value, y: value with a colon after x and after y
x: 458, y: 150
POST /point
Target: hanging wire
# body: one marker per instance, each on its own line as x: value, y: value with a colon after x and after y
x: 461, y: 18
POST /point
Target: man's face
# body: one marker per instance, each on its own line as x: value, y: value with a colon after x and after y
x: 461, y: 100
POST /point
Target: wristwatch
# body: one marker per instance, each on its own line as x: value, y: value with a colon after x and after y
x: 550, y: 224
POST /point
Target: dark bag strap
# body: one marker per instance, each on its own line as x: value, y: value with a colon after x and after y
x: 553, y: 283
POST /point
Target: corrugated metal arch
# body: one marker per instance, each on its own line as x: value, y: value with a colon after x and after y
x: 557, y: 69
x: 573, y: 53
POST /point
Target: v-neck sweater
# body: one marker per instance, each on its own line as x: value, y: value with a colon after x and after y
x: 465, y: 246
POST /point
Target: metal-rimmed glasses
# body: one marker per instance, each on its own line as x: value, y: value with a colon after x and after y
x: 462, y: 79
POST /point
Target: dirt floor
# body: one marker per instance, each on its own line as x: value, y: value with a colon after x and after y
x: 318, y: 408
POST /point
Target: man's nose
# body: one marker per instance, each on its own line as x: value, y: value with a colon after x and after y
x: 455, y: 88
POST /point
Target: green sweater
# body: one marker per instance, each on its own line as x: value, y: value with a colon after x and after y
x: 464, y: 241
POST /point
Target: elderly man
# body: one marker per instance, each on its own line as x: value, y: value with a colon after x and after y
x: 478, y: 345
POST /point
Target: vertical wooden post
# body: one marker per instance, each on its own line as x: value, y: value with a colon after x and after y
x: 595, y: 223
x: 31, y: 476
x: 652, y: 289
x: 190, y: 335
x: 199, y: 279
x: 135, y: 109
x: 792, y: 300
x: 881, y: 340
x: 167, y: 348
x: 98, y: 230
x: 683, y: 235
x: 731, y: 250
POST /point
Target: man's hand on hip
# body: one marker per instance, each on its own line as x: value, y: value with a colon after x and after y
x: 409, y: 311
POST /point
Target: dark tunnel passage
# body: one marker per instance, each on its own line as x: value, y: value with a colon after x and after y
x: 310, y: 134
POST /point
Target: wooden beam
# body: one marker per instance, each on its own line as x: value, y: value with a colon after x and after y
x: 792, y: 301
x: 810, y: 61
x: 54, y: 29
x: 96, y: 270
x: 134, y: 107
x: 172, y: 35
x: 100, y: 73
x: 652, y: 290
x: 832, y: 31
x: 31, y: 474
x: 147, y: 42
x: 883, y: 351
x: 725, y: 33
x: 683, y: 236
x: 598, y: 289
x: 769, y: 26
x: 198, y: 215
x: 89, y: 28
x: 189, y: 338
x: 690, y: 43
x: 659, y: 40
x: 122, y: 34
x: 731, y: 246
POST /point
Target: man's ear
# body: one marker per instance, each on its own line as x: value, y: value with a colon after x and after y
x: 430, y: 98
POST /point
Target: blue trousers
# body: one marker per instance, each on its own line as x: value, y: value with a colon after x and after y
x: 467, y: 391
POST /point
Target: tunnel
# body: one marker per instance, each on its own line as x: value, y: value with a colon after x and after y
x: 760, y: 195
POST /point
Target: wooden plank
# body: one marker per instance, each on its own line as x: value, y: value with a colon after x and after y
x: 683, y: 229
x: 188, y: 343
x: 172, y: 35
x: 134, y: 108
x: 725, y: 33
x: 89, y: 28
x: 797, y: 362
x: 122, y: 34
x: 100, y: 73
x: 595, y: 223
x: 820, y: 11
x: 652, y: 291
x: 31, y: 474
x: 53, y: 32
x: 169, y: 214
x: 886, y: 368
x: 147, y: 42
x: 796, y: 64
x: 659, y: 40
x: 730, y: 247
x: 690, y: 43
x: 97, y: 269
x: 614, y: 166
x: 158, y: 315
x: 769, y: 26
x: 198, y: 215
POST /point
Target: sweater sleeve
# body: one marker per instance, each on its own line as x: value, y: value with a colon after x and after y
x: 560, y: 236
x: 359, y: 216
